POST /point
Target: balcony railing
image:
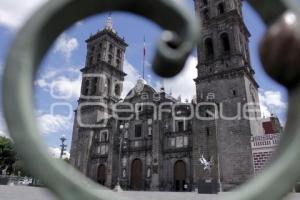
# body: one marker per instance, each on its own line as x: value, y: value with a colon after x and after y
x: 137, y: 145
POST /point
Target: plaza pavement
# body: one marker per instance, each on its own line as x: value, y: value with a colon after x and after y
x: 33, y: 193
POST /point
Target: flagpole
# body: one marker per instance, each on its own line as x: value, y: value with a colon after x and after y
x: 144, y: 58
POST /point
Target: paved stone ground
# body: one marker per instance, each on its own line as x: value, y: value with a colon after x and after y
x: 32, y: 193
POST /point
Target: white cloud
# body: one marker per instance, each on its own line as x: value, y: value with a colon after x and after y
x: 55, y: 152
x: 65, y: 45
x: 70, y: 86
x: 272, y: 102
x: 3, y: 127
x: 131, y: 78
x: 66, y: 87
x: 183, y: 84
x: 13, y: 13
x: 65, y: 82
x: 50, y: 123
x: 3, y: 133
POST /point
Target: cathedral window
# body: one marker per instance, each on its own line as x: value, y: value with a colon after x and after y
x: 172, y: 142
x: 221, y: 8
x: 118, y: 64
x: 103, y: 149
x: 190, y: 125
x: 207, y: 114
x: 179, y: 142
x: 99, y: 57
x: 234, y: 93
x: 180, y: 126
x: 140, y: 108
x: 119, y: 53
x: 144, y: 96
x: 209, y: 49
x: 91, y: 60
x: 95, y: 83
x: 206, y: 14
x: 117, y: 90
x: 110, y: 57
x: 104, y: 136
x: 185, y: 141
x: 205, y: 2
x: 111, y: 48
x: 107, y: 87
x: 225, y: 43
x: 207, y: 131
x: 100, y: 46
x: 138, y: 130
x: 87, y: 85
x: 92, y: 48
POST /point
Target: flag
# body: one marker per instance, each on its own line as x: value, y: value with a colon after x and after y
x: 144, y: 58
x: 144, y: 47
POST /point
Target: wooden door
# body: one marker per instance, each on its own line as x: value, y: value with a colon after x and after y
x: 179, y: 175
x: 137, y: 175
x: 101, y: 177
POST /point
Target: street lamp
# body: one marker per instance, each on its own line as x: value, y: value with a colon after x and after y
x: 63, y: 146
x: 118, y: 187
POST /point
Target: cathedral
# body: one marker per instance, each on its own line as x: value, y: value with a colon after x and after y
x: 152, y: 141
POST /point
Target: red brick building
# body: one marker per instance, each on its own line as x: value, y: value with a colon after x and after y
x: 262, y: 150
x: 272, y: 125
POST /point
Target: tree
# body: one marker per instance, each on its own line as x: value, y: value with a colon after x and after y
x: 19, y: 169
x: 7, y: 154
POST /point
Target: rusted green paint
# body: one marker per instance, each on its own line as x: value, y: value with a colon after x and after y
x: 40, y: 31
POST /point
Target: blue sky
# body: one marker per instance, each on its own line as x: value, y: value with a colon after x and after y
x: 61, y: 66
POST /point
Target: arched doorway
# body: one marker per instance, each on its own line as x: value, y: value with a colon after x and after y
x: 136, y: 182
x: 179, y: 175
x: 101, y: 176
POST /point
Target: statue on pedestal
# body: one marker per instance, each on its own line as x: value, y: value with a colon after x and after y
x: 207, y: 185
x: 4, y: 173
x: 207, y: 164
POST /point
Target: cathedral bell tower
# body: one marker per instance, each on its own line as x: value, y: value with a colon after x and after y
x: 226, y: 77
x: 103, y: 74
x: 102, y: 85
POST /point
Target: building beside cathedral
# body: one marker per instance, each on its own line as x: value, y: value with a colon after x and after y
x: 156, y: 141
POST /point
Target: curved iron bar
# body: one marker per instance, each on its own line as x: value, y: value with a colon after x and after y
x: 36, y: 36
x: 269, y: 10
x: 29, y: 48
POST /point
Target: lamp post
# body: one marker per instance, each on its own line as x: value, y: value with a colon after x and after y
x: 63, y: 146
x: 118, y: 187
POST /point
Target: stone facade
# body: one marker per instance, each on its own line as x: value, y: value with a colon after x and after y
x: 93, y: 149
x: 156, y: 144
x: 226, y: 75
